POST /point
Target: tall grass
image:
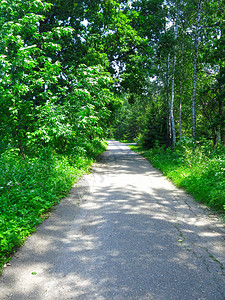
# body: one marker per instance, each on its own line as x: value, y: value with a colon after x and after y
x: 201, y: 172
x: 30, y: 187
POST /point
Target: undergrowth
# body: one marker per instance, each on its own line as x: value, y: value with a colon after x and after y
x: 30, y: 187
x: 200, y: 172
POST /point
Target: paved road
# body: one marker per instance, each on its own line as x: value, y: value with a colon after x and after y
x: 133, y: 236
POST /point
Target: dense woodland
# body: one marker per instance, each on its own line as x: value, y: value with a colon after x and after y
x: 178, y: 91
x: 73, y: 73
x: 66, y: 65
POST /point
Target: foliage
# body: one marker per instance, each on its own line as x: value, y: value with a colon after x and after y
x: 201, y: 173
x: 153, y: 127
x: 83, y: 114
x: 43, y: 103
x: 143, y: 119
x: 127, y: 124
x: 54, y: 111
x: 71, y: 70
x: 29, y: 188
x: 160, y: 39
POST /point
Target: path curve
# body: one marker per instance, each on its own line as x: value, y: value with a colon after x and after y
x: 124, y: 232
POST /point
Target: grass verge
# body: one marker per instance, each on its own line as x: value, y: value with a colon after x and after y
x: 201, y: 173
x: 29, y: 188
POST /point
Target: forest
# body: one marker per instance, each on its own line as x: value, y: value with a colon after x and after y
x: 74, y: 73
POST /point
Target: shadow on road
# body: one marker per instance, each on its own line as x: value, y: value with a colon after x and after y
x: 134, y: 237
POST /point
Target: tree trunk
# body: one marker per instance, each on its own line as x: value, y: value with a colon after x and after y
x: 172, y: 92
x: 169, y: 133
x: 180, y: 112
x: 195, y: 71
x: 214, y: 135
x: 221, y: 84
x: 180, y: 96
x: 222, y: 126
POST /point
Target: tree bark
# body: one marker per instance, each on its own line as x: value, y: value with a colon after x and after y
x: 180, y: 95
x: 222, y: 126
x: 172, y: 92
x: 169, y: 133
x: 195, y: 71
x: 221, y: 82
x: 180, y: 110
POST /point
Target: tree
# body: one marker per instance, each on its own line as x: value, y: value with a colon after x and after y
x: 40, y: 89
x: 19, y: 61
x: 172, y: 91
x: 196, y: 42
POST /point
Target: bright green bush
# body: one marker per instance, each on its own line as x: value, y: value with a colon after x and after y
x: 30, y: 187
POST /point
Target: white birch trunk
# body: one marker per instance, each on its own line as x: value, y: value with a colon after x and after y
x: 180, y: 111
x: 180, y: 94
x: 172, y: 92
x: 195, y: 71
x: 222, y: 129
x: 169, y: 133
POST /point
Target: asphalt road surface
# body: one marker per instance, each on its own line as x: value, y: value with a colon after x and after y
x: 124, y: 232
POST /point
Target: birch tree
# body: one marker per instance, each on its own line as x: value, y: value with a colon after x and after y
x: 196, y: 43
x: 172, y: 90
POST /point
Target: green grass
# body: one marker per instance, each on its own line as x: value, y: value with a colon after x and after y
x: 29, y: 188
x: 126, y: 141
x: 201, y: 173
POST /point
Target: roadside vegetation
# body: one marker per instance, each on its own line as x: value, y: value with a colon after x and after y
x: 200, y: 172
x: 30, y: 187
x: 74, y: 72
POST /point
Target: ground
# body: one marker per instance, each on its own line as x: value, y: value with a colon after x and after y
x: 124, y: 232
